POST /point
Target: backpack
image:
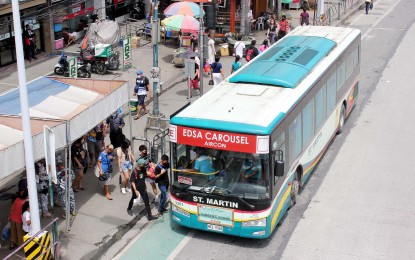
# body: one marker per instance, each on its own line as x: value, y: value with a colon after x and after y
x: 248, y: 55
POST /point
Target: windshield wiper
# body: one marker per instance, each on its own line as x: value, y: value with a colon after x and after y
x: 230, y: 194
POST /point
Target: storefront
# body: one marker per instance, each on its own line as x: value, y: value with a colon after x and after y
x: 7, y: 41
x: 118, y: 10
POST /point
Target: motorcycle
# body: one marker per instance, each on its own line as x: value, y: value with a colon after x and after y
x: 113, y: 62
x: 97, y: 63
x: 62, y: 68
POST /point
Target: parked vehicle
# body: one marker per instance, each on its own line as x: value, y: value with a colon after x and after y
x: 62, y: 68
x: 97, y: 63
x: 113, y: 62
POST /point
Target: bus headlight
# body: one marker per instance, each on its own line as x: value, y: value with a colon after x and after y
x: 255, y: 223
x: 180, y: 211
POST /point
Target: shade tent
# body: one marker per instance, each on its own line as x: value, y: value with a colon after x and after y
x: 12, y: 145
x: 79, y: 103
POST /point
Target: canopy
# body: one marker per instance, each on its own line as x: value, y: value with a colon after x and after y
x: 186, y: 8
x: 82, y: 103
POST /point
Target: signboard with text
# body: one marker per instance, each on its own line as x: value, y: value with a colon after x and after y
x: 219, y: 140
x: 126, y: 43
x: 73, y: 67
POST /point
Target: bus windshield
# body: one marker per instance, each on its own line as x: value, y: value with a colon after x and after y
x: 219, y: 172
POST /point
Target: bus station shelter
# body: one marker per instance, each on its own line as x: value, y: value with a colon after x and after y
x: 68, y: 106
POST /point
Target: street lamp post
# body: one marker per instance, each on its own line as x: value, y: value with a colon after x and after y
x: 27, y: 131
x: 201, y: 45
x: 155, y: 27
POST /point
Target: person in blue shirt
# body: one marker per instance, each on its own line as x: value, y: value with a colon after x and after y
x: 217, y: 72
x: 203, y: 163
x: 105, y: 168
x: 251, y: 170
x: 236, y: 64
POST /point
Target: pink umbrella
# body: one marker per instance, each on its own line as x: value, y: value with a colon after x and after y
x: 183, y: 23
x: 186, y: 8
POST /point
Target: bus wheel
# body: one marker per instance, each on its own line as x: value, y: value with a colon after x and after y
x: 342, y: 118
x: 295, y: 188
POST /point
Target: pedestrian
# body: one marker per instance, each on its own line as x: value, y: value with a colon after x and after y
x: 142, y: 86
x: 236, y: 64
x: 239, y: 47
x: 65, y: 180
x: 143, y: 155
x: 105, y: 168
x: 78, y: 154
x: 211, y: 50
x: 116, y: 123
x: 368, y: 6
x: 125, y: 164
x: 252, y: 52
x: 95, y: 138
x: 304, y: 18
x: 284, y: 27
x: 194, y: 81
x: 26, y: 221
x: 15, y: 217
x: 42, y: 185
x: 263, y: 46
x: 217, y: 72
x: 272, y: 31
x: 162, y: 180
x: 138, y: 185
x: 30, y: 43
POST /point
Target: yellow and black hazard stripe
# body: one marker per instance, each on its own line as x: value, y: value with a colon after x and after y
x: 38, y: 246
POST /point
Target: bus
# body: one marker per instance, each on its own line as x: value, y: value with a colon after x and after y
x: 243, y: 151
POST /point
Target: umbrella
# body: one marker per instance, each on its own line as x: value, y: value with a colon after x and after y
x: 183, y: 23
x: 186, y: 8
x: 289, y: 1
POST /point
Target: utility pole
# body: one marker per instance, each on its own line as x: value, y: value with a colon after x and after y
x: 155, y: 27
x: 201, y: 45
x: 27, y: 130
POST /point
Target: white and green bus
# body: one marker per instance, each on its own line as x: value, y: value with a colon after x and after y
x: 241, y: 152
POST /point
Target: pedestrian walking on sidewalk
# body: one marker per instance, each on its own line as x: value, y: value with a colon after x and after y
x: 217, y: 72
x: 30, y: 43
x: 95, y: 138
x: 142, y: 86
x: 125, y: 164
x: 79, y: 163
x: 143, y: 155
x: 138, y: 185
x: 236, y: 64
x: 211, y: 50
x: 369, y: 5
x: 65, y: 179
x: 284, y: 27
x: 272, y: 31
x: 105, y: 168
x: 42, y: 181
x: 162, y: 180
x: 304, y: 18
x: 116, y: 124
x: 239, y: 47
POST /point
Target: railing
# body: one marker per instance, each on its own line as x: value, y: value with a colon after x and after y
x: 53, y: 246
x: 334, y: 10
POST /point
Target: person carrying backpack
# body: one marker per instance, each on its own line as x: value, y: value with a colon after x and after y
x: 252, y: 52
x: 140, y: 90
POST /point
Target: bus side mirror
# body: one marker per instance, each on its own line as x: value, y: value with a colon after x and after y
x: 279, y: 168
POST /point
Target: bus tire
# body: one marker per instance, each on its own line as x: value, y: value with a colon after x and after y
x: 295, y: 189
x: 342, y: 119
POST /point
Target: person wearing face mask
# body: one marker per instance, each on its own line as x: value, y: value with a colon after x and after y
x: 162, y: 180
x: 143, y: 155
x: 142, y: 85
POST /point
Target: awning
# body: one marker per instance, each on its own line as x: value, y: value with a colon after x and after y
x: 82, y: 103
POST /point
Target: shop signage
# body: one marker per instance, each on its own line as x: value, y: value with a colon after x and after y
x: 73, y: 67
x: 79, y: 13
x: 4, y: 36
x: 126, y: 43
x: 219, y: 140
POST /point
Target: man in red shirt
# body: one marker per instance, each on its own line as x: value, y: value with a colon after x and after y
x: 283, y: 26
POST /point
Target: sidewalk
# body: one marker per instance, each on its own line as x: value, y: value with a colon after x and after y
x: 100, y: 222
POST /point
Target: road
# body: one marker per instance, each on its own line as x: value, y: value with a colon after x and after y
x: 358, y: 204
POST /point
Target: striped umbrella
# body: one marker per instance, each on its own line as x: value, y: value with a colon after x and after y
x: 185, y: 8
x: 183, y: 23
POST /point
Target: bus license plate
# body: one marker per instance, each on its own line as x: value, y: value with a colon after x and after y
x: 215, y: 228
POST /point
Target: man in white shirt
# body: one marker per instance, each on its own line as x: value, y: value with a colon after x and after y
x: 239, y: 47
